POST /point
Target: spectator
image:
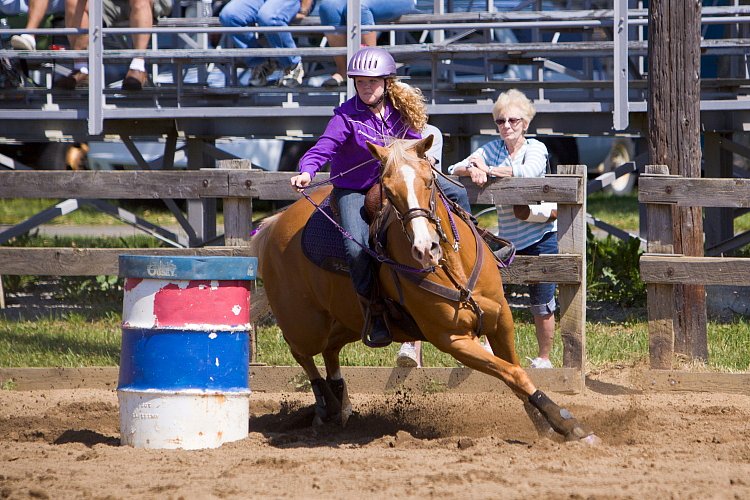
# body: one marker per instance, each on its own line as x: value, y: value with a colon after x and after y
x: 141, y: 14
x: 533, y: 229
x: 333, y: 12
x: 36, y: 12
x: 240, y: 13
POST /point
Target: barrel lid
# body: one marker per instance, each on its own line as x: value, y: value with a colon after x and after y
x: 188, y: 267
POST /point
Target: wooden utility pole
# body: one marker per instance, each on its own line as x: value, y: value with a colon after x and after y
x: 674, y: 140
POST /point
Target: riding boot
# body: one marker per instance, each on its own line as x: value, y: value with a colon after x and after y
x: 503, y: 250
x: 375, y: 331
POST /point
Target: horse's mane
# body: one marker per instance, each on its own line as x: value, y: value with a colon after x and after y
x: 401, y: 151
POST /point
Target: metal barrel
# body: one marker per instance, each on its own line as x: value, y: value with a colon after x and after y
x: 184, y: 362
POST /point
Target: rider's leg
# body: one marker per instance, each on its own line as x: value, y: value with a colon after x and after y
x: 456, y: 194
x: 351, y: 209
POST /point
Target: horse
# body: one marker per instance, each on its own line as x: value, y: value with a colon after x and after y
x: 435, y: 264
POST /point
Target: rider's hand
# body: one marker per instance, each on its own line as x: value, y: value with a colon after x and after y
x: 301, y: 181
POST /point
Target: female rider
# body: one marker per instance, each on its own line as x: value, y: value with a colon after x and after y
x: 383, y: 108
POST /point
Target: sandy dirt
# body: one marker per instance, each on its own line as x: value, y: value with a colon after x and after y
x: 65, y: 444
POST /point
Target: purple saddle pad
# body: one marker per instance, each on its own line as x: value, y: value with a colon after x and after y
x: 323, y: 243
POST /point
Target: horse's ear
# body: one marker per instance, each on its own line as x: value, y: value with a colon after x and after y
x: 379, y: 152
x: 423, y: 145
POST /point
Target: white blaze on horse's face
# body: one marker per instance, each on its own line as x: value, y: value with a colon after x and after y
x: 425, y: 246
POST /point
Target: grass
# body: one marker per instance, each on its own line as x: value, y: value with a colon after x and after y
x: 78, y: 340
x: 13, y: 211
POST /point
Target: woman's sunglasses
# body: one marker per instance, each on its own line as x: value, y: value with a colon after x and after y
x: 513, y: 121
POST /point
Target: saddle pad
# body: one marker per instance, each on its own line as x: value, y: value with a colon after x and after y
x: 323, y: 243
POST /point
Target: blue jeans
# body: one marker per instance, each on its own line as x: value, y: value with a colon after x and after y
x: 333, y: 12
x: 241, y: 13
x: 351, y: 205
x: 542, y: 295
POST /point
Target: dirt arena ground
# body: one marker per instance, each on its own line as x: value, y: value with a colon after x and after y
x: 65, y: 444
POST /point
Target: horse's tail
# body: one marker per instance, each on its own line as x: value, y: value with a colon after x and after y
x: 258, y: 241
x: 259, y: 238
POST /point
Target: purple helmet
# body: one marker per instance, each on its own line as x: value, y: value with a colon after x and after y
x: 371, y: 61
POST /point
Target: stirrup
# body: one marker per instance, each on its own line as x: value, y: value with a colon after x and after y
x: 383, y: 339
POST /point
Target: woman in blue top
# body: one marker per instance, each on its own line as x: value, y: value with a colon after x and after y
x: 383, y: 109
x: 534, y: 231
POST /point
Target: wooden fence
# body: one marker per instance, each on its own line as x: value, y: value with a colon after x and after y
x: 661, y: 269
x: 239, y: 187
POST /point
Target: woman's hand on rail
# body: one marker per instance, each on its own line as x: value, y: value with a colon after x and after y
x: 301, y: 181
x: 477, y: 170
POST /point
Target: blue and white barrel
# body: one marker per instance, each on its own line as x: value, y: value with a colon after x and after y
x: 184, y: 363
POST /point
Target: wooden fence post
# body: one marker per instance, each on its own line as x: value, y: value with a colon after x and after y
x: 571, y: 231
x: 238, y: 224
x: 660, y: 298
x: 674, y: 126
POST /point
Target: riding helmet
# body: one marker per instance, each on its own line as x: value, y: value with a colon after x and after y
x: 371, y: 61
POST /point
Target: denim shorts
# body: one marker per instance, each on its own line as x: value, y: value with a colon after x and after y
x: 542, y: 295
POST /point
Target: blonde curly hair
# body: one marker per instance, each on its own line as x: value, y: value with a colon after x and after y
x: 409, y: 101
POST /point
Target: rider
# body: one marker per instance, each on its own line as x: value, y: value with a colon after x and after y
x: 383, y: 109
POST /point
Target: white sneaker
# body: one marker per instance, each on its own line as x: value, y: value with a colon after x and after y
x: 261, y: 73
x: 540, y: 363
x: 292, y: 76
x: 407, y: 356
x: 23, y: 42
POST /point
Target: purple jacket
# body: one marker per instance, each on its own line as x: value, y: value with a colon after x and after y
x: 344, y: 143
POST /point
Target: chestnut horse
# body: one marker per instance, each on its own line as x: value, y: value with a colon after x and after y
x: 457, y: 296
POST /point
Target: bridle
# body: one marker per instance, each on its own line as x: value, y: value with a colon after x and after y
x: 428, y: 213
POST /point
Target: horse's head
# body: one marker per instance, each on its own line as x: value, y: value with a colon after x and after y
x: 410, y: 186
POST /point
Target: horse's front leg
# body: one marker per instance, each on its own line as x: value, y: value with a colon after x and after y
x: 471, y: 354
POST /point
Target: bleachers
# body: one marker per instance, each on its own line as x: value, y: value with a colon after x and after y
x: 561, y: 58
